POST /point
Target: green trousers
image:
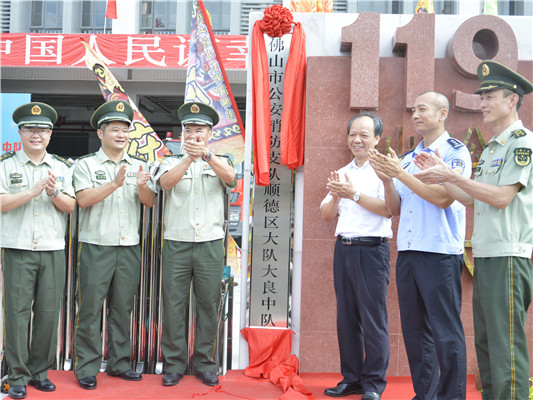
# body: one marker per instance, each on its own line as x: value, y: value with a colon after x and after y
x: 38, y: 277
x: 502, y: 294
x: 203, y: 263
x: 111, y: 272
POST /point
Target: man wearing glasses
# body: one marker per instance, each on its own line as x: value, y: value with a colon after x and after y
x: 35, y: 196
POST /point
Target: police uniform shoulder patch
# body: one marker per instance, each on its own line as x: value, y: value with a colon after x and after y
x: 228, y: 159
x: 455, y: 143
x: 522, y: 156
x: 519, y: 133
x: 64, y: 161
x: 7, y: 155
x: 458, y: 165
x: 86, y: 156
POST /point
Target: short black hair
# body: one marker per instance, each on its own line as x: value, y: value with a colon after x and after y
x: 378, y: 124
x: 508, y: 92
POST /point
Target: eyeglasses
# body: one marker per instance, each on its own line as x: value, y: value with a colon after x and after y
x: 35, y: 131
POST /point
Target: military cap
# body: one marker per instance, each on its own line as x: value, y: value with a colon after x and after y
x: 115, y: 110
x: 198, y: 113
x: 38, y: 115
x: 494, y: 75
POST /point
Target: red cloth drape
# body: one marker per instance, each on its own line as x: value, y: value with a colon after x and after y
x: 293, y: 117
x: 260, y: 108
x: 270, y: 357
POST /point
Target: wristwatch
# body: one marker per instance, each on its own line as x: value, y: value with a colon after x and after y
x: 207, y: 156
x: 356, y: 196
x: 55, y: 193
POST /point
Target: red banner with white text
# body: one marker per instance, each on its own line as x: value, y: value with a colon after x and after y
x: 117, y: 51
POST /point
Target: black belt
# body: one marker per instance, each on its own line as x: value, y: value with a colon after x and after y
x: 363, y: 240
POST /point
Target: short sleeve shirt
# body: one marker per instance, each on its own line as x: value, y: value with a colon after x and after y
x: 115, y: 220
x: 194, y: 207
x: 355, y: 220
x: 506, y: 161
x: 36, y: 225
x: 424, y: 226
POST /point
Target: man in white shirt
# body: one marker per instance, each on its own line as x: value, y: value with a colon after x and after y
x: 361, y: 264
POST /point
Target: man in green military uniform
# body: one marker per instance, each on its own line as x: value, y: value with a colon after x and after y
x: 193, y: 249
x: 35, y: 196
x: 110, y: 186
x: 502, y: 241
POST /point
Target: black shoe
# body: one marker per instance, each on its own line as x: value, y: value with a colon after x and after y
x: 344, y: 389
x: 208, y: 378
x: 371, y: 396
x: 17, y: 392
x: 89, y: 382
x: 44, y: 385
x: 171, y: 378
x: 130, y: 375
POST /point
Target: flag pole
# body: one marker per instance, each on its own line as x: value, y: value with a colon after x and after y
x: 105, y: 16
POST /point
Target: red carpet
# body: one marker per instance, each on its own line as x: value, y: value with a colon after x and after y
x: 234, y: 385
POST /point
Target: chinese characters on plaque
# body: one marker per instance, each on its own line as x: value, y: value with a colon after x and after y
x: 271, y: 241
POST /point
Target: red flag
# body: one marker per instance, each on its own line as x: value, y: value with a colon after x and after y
x: 111, y: 10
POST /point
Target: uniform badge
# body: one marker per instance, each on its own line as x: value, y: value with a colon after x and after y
x: 120, y: 107
x: 131, y: 174
x: 195, y: 109
x: 522, y: 156
x: 458, y: 165
x: 15, y: 178
x: 36, y: 110
x: 100, y: 175
x: 455, y: 143
x: 61, y: 179
x: 485, y: 70
x: 519, y: 133
x: 497, y: 162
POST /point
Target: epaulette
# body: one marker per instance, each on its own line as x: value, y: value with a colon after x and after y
x: 7, y: 155
x: 138, y: 158
x: 519, y: 133
x: 455, y: 143
x: 230, y: 161
x: 86, y: 155
x: 61, y: 159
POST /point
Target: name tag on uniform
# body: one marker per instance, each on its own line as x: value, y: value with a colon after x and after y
x: 100, y: 175
x: 15, y: 177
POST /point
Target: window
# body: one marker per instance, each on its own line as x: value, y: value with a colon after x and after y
x: 220, y: 15
x: 515, y: 7
x: 158, y: 16
x: 46, y: 16
x: 93, y: 18
x: 384, y: 7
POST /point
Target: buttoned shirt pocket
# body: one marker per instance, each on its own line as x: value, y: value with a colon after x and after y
x: 17, y: 183
x: 184, y: 185
x: 211, y: 181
